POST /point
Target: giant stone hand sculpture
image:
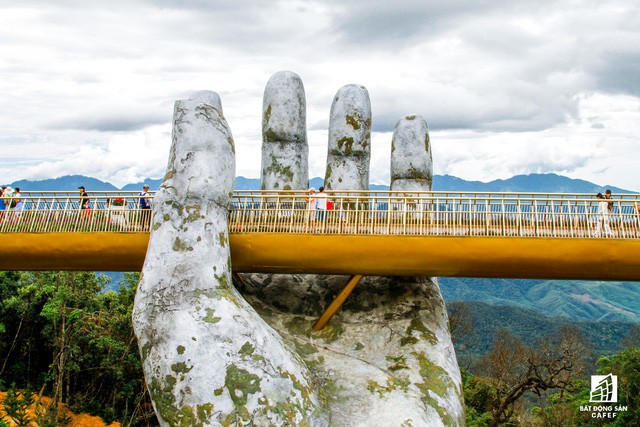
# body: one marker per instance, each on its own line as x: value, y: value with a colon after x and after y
x: 208, y: 358
x: 386, y: 359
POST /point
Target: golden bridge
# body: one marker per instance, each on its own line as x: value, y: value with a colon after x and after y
x: 510, y: 235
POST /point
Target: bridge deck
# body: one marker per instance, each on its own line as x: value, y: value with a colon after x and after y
x: 421, y: 234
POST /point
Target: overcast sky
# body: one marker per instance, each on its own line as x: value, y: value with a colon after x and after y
x: 506, y: 87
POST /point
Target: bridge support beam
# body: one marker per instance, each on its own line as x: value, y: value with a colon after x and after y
x: 337, y: 302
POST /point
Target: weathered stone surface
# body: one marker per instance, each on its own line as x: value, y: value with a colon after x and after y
x: 385, y: 359
x: 208, y: 357
x: 349, y: 151
x: 285, y: 150
x: 411, y: 161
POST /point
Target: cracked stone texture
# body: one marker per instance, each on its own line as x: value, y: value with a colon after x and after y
x: 349, y: 150
x: 208, y: 357
x: 411, y: 161
x: 285, y: 150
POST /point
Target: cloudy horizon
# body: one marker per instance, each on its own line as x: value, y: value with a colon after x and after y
x: 506, y: 88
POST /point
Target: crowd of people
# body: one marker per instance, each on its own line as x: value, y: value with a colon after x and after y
x: 11, y: 199
x: 318, y: 204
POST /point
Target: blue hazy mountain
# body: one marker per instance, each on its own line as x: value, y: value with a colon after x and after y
x: 545, y: 183
x: 575, y: 299
x: 64, y: 183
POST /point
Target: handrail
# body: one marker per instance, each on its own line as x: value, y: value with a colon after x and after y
x: 356, y: 212
x: 62, y: 212
x: 437, y: 214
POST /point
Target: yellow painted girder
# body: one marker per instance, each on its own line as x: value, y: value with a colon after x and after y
x: 466, y: 256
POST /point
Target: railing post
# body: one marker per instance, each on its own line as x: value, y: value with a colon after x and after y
x: 519, y: 218
x: 504, y: 216
x: 535, y: 217
x: 553, y: 220
x: 487, y: 215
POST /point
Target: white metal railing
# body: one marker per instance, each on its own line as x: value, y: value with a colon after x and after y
x: 437, y: 214
x: 373, y: 212
x: 41, y: 212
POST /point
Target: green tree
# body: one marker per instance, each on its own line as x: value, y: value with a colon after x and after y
x: 626, y: 365
x: 514, y: 369
x: 65, y: 335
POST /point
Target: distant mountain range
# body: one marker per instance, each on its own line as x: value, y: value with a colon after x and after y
x: 532, y: 183
x: 574, y: 299
x: 603, y: 337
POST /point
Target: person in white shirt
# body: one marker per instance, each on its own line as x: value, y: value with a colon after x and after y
x: 603, y: 217
x: 321, y: 204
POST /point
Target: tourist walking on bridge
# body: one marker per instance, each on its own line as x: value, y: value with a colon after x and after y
x: 3, y: 205
x: 145, y: 206
x: 311, y: 205
x: 321, y: 204
x: 84, y: 198
x: 603, y: 217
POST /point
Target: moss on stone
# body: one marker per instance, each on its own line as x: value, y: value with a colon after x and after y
x: 280, y: 170
x: 144, y: 351
x: 181, y: 349
x: 299, y: 326
x: 218, y: 392
x: 305, y: 349
x: 171, y: 382
x: 246, y: 350
x: 181, y: 368
x: 232, y: 144
x: 269, y: 135
x: 167, y: 407
x: 210, y: 318
x: 393, y: 383
x: 305, y: 391
x: 354, y: 121
x: 238, y: 417
x: 175, y: 205
x: 267, y: 114
x: 328, y: 391
x: 180, y: 246
x: 359, y: 346
x: 241, y: 383
x: 222, y: 238
x: 347, y: 142
x: 424, y: 333
x: 436, y: 380
x: 193, y: 213
x: 204, y: 411
x: 398, y: 363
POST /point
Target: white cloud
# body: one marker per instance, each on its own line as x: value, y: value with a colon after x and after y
x: 505, y: 88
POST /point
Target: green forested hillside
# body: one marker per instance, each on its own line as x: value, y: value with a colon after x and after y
x: 578, y: 300
x: 530, y: 326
